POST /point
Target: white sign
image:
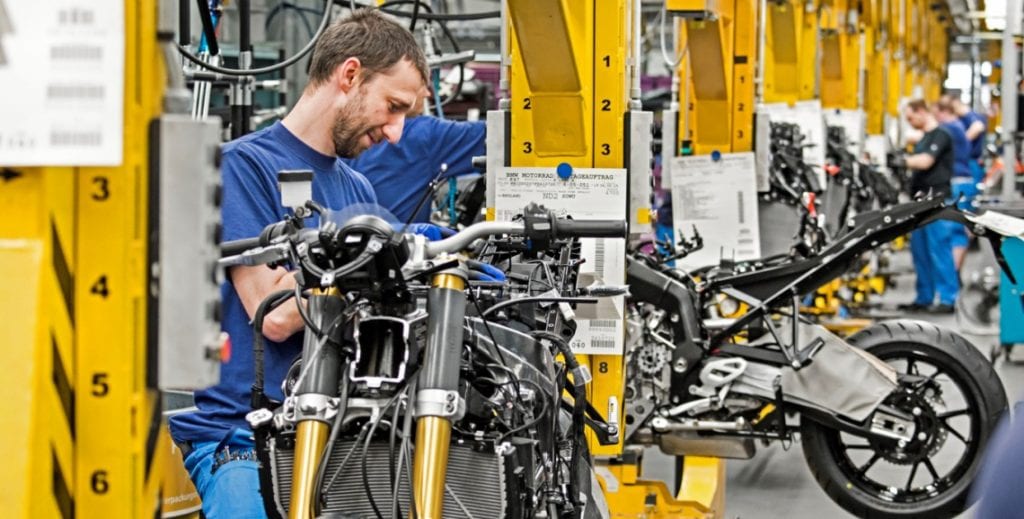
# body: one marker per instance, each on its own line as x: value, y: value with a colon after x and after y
x: 1000, y: 223
x: 853, y: 121
x: 589, y: 194
x: 808, y: 116
x: 719, y: 198
x: 63, y: 80
x: 877, y: 146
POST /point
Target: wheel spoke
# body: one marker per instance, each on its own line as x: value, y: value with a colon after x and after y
x: 931, y: 468
x: 956, y: 433
x: 951, y: 414
x: 868, y: 465
x: 913, y: 472
x: 911, y: 367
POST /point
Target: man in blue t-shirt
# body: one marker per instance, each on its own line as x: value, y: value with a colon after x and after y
x: 962, y: 185
x: 975, y: 126
x: 366, y: 73
x: 400, y: 173
x: 931, y: 165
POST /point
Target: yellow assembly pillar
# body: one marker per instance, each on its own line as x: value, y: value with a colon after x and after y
x: 568, y: 104
x: 80, y: 431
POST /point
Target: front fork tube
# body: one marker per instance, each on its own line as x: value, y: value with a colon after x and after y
x: 436, y: 395
x: 317, y: 387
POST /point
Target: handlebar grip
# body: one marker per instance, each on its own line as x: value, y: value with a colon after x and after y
x: 590, y: 228
x: 236, y: 247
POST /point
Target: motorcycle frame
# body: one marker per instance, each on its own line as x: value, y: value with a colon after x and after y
x: 766, y: 291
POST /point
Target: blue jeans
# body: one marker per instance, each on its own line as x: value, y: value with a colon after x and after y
x: 227, y: 478
x: 932, y: 251
x: 977, y: 171
x: 969, y: 190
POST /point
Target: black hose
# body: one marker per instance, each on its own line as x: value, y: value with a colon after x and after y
x: 537, y: 299
x: 184, y: 23
x: 258, y: 398
x: 321, y: 469
x: 485, y: 15
x: 206, y: 17
x: 324, y: 21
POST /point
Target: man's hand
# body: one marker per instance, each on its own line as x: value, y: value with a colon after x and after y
x: 254, y: 284
x: 896, y: 161
x: 430, y: 231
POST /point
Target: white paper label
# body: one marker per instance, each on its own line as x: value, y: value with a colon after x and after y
x: 808, y: 116
x: 1000, y: 223
x: 62, y: 71
x: 853, y: 122
x: 720, y: 200
x: 589, y: 194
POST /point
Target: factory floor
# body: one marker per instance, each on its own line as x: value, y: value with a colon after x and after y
x: 776, y: 483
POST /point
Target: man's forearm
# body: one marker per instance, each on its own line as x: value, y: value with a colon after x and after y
x: 975, y: 130
x: 254, y: 285
x: 285, y: 320
x: 920, y: 161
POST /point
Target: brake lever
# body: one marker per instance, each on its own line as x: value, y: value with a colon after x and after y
x: 261, y: 256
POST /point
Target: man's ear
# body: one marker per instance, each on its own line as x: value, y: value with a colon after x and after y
x: 348, y: 74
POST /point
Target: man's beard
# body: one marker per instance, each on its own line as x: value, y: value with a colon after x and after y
x: 348, y: 130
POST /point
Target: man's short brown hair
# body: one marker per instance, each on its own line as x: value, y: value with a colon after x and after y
x: 945, y: 104
x: 376, y: 41
x: 917, y: 105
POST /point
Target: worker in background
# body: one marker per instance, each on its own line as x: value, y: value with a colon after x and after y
x: 975, y: 125
x: 932, y: 168
x: 963, y: 185
x: 401, y: 172
x: 366, y: 73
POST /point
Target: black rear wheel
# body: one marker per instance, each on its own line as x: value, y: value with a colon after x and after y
x: 956, y: 400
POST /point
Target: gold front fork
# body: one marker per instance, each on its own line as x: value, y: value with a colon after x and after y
x: 433, y: 433
x: 310, y: 440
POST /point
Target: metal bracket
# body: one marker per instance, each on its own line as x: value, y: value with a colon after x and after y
x: 439, y: 402
x: 310, y: 406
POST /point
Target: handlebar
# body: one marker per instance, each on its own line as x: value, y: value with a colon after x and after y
x: 478, y: 230
x: 590, y: 228
x: 235, y: 247
x: 539, y: 225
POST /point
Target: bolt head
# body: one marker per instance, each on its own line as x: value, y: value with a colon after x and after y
x: 916, y: 411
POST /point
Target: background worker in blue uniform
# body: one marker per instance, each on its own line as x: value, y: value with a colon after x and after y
x: 963, y: 186
x: 932, y: 167
x: 366, y: 73
x: 975, y: 126
x: 401, y: 172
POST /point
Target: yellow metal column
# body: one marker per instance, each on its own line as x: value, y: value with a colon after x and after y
x: 37, y: 250
x: 117, y: 406
x: 840, y: 55
x: 80, y: 433
x: 877, y: 55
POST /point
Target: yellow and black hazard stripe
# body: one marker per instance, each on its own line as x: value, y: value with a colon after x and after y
x: 62, y: 371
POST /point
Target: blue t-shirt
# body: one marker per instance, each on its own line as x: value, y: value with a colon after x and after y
x: 252, y: 201
x: 978, y: 144
x: 400, y: 173
x: 961, y: 148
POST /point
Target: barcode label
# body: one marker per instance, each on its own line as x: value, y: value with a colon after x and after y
x: 77, y: 139
x: 76, y: 53
x: 65, y: 92
x: 603, y: 344
x: 607, y: 324
x: 599, y: 256
x: 739, y: 200
x: 76, y: 16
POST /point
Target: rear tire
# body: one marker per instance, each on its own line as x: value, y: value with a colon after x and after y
x: 909, y: 346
